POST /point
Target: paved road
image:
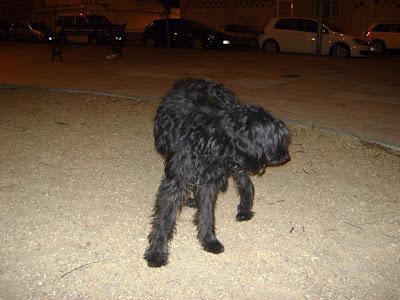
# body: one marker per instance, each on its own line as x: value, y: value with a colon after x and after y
x: 356, y: 96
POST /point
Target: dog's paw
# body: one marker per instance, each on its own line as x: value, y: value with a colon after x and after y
x: 244, y: 216
x: 214, y: 246
x: 156, y: 259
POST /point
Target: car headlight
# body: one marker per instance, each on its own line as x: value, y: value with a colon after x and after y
x: 226, y: 42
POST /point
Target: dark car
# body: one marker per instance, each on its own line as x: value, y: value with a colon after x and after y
x: 88, y: 29
x: 183, y: 33
x: 31, y: 32
x: 242, y: 35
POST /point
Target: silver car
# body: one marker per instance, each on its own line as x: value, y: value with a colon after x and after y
x: 299, y: 35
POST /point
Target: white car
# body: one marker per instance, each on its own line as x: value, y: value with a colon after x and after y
x: 299, y: 35
x: 384, y: 35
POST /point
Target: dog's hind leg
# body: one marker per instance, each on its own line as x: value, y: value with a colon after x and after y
x: 170, y: 198
x: 246, y: 192
x: 205, y: 220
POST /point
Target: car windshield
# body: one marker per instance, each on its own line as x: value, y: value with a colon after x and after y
x: 98, y: 20
x: 332, y: 27
x: 40, y: 26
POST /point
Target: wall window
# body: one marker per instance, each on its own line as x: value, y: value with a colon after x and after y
x: 329, y: 8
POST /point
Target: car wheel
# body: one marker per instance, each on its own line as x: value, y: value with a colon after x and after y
x: 271, y: 46
x: 197, y: 44
x: 340, y: 51
x: 379, y: 46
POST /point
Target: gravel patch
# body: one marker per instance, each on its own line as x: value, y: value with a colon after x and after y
x: 78, y: 175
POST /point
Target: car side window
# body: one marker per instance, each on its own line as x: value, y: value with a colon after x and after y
x: 174, y: 26
x: 65, y: 21
x: 307, y: 25
x: 190, y: 27
x: 81, y: 22
x: 392, y: 28
x: 286, y: 24
x: 380, y: 28
x: 159, y: 26
x: 230, y: 28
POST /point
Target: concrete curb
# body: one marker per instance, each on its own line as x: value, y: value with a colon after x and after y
x: 6, y: 86
x: 386, y: 146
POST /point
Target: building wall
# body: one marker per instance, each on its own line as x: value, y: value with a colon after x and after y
x: 12, y: 10
x: 368, y: 11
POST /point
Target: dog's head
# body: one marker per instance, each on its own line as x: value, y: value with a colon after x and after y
x: 260, y: 140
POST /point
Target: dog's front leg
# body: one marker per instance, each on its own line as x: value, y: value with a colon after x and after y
x: 205, y: 219
x: 169, y: 201
x: 246, y: 192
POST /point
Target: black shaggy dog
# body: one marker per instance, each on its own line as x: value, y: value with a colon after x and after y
x: 206, y: 136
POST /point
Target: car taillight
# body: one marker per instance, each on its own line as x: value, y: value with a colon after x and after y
x: 368, y: 33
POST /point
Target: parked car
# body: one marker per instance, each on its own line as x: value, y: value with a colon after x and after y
x: 241, y: 35
x: 183, y: 33
x: 26, y: 31
x: 88, y: 29
x: 299, y: 35
x: 384, y: 35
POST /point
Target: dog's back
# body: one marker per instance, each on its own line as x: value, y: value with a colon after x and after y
x: 190, y: 103
x: 201, y: 93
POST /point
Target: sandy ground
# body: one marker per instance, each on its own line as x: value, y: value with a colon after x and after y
x: 78, y: 175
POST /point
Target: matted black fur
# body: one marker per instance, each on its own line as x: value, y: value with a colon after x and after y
x: 205, y: 136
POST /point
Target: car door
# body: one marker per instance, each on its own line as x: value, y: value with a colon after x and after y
x: 81, y: 29
x: 307, y: 35
x: 26, y: 32
x: 190, y: 32
x: 159, y: 33
x: 396, y: 40
x: 286, y: 35
x: 18, y: 31
x: 392, y: 36
x: 178, y: 33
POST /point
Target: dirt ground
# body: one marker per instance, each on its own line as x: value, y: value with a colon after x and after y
x: 78, y: 175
